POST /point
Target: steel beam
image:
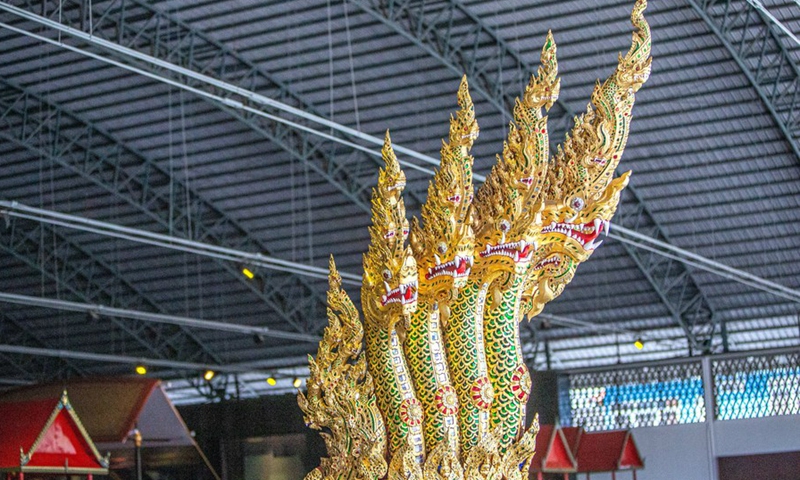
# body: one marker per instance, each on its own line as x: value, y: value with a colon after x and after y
x: 14, y: 330
x: 97, y: 309
x: 758, y: 50
x: 134, y: 178
x: 122, y: 359
x: 451, y: 33
x: 82, y: 276
x: 19, y: 210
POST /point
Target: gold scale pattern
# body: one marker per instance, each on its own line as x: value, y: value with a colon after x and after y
x: 438, y: 388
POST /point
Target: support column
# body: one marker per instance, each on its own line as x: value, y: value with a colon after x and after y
x: 708, y: 397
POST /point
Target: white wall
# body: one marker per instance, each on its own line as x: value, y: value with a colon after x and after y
x: 682, y: 451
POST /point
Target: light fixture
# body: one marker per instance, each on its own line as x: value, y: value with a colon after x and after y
x: 248, y: 273
x: 297, y: 382
x: 208, y: 375
x: 271, y: 381
x: 639, y: 344
x: 258, y: 338
x: 141, y: 369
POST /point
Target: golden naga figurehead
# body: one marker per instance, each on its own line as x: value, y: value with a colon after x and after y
x: 563, y: 205
x: 507, y: 206
x: 390, y: 285
x: 582, y: 194
x: 443, y: 243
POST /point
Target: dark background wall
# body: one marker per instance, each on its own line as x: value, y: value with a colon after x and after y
x: 222, y: 428
x: 775, y: 466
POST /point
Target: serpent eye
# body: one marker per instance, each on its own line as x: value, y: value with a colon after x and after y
x: 442, y: 247
x: 389, y: 234
x: 405, y: 232
x: 505, y: 226
x: 577, y: 204
x: 387, y: 275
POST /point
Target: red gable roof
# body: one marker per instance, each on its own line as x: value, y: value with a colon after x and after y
x: 50, y: 436
x: 607, y: 451
x: 573, y: 436
x: 110, y: 406
x: 552, y: 452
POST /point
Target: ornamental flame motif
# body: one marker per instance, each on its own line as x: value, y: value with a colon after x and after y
x: 438, y: 388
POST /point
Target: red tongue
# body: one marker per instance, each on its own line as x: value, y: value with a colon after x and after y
x: 462, y: 267
x: 524, y: 252
x: 409, y: 294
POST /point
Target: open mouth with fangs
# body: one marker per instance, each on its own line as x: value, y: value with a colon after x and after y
x: 586, y: 234
x: 458, y: 267
x: 518, y: 251
x: 554, y: 261
x: 404, y: 294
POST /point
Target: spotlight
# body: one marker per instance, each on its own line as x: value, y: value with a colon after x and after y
x: 297, y: 382
x: 271, y: 381
x: 141, y: 369
x: 639, y: 344
x: 248, y: 273
x: 92, y: 316
x: 258, y: 339
x: 208, y: 375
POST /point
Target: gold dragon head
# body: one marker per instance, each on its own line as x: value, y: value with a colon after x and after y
x: 582, y: 194
x: 443, y: 242
x: 389, y: 287
x: 507, y: 205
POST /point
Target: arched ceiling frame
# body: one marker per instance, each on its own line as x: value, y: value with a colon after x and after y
x: 101, y: 158
x: 759, y: 51
x: 139, y: 26
x: 455, y: 36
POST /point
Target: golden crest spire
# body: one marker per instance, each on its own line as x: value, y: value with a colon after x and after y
x: 340, y: 399
x: 440, y: 389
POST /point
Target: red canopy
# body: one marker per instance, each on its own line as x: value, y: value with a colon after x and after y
x: 46, y: 436
x: 607, y: 452
x: 552, y: 453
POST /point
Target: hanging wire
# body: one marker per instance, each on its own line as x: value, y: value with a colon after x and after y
x: 352, y: 68
x: 309, y: 215
x: 186, y: 180
x: 171, y: 164
x: 293, y: 209
x: 331, y: 114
